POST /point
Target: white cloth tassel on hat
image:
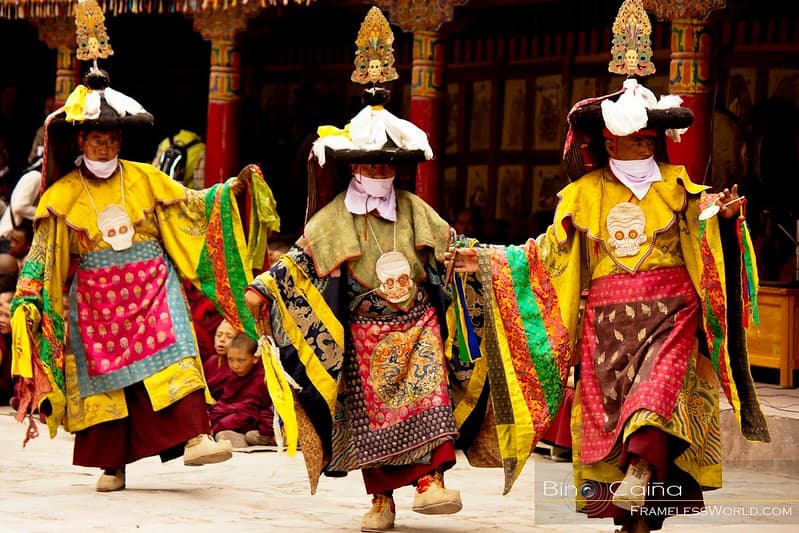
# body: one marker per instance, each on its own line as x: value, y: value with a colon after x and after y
x: 335, y: 142
x: 370, y: 130
x: 406, y: 134
x: 121, y: 103
x: 628, y: 114
x: 672, y: 100
x: 91, y: 107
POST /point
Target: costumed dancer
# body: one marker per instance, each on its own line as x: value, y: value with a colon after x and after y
x: 117, y: 236
x: 358, y: 314
x: 669, y: 295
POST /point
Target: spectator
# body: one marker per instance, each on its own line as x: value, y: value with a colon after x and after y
x: 193, y: 152
x: 216, y: 368
x: 243, y: 415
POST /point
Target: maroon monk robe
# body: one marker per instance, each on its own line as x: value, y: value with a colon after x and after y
x: 244, y: 404
x: 216, y: 374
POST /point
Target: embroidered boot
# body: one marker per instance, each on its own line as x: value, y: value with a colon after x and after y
x: 432, y: 498
x: 631, y: 492
x: 203, y: 450
x: 381, y: 516
x: 111, y: 480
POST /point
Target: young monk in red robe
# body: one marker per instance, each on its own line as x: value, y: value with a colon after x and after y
x: 216, y: 369
x: 243, y: 414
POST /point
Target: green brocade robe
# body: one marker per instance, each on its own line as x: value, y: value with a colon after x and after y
x: 498, y: 399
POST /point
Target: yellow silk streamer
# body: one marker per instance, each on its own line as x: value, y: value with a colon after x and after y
x: 75, y: 104
x: 22, y: 357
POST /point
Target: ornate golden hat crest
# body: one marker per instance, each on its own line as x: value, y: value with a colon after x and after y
x: 90, y: 33
x: 632, y: 46
x: 374, y: 59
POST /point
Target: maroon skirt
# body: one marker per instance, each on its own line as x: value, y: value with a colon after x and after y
x: 144, y: 432
x: 559, y: 433
x: 388, y: 478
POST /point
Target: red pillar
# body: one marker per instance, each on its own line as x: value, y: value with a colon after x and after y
x: 426, y: 110
x: 220, y: 26
x: 424, y: 18
x: 690, y: 77
x: 222, y: 140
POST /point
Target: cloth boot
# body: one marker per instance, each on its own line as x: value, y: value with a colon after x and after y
x: 381, y: 516
x: 631, y: 492
x: 203, y: 450
x: 111, y: 480
x: 433, y: 498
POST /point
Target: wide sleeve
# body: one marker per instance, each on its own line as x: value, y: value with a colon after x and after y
x: 719, y: 258
x: 524, y: 351
x: 38, y: 329
x: 564, y: 263
x: 203, y: 236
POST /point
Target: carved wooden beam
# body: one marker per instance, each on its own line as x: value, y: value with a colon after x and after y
x: 420, y: 15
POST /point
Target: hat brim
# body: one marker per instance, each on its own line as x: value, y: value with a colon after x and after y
x: 109, y: 119
x: 589, y: 119
x: 384, y: 156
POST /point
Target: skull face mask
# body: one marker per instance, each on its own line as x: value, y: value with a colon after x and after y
x: 394, y: 274
x: 116, y: 227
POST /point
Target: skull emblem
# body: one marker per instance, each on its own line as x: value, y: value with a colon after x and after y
x: 374, y: 70
x: 626, y: 224
x: 394, y: 274
x: 116, y: 227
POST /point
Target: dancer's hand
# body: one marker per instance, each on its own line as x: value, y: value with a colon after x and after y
x: 728, y: 208
x: 460, y: 260
x: 257, y: 307
x: 239, y: 183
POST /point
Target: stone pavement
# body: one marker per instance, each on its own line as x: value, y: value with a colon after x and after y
x: 40, y: 491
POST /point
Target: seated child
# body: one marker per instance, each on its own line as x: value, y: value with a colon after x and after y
x: 216, y: 368
x: 243, y: 414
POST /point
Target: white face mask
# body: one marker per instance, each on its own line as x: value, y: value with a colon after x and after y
x: 638, y: 174
x: 376, y: 188
x: 366, y: 194
x: 101, y: 169
x: 636, y: 168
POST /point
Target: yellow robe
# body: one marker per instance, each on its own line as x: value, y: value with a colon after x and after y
x: 581, y: 246
x: 66, y: 226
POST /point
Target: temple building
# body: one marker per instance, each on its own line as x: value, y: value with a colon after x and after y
x: 491, y: 81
